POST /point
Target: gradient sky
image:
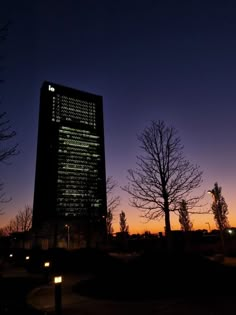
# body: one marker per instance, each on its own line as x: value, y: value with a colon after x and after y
x: 149, y: 59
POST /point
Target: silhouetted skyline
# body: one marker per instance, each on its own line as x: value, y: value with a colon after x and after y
x: 167, y: 60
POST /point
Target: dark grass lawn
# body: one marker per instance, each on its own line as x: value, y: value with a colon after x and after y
x: 13, y: 292
x: 155, y: 276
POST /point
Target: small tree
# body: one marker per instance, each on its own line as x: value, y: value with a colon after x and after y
x: 124, y: 228
x: 219, y: 208
x: 220, y: 211
x: 113, y: 202
x: 184, y: 219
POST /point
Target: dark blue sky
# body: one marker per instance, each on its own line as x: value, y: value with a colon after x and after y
x: 168, y: 60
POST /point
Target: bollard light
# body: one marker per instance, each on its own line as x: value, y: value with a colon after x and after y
x: 46, y: 270
x: 46, y: 264
x: 57, y: 294
x: 58, y: 279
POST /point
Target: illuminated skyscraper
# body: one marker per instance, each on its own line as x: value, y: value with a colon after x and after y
x: 70, y: 180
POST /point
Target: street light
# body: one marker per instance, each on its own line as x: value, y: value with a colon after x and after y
x: 209, y: 227
x: 212, y: 194
x: 68, y: 235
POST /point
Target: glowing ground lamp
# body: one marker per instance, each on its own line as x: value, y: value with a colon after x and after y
x: 46, y: 267
x: 57, y: 294
x: 46, y: 264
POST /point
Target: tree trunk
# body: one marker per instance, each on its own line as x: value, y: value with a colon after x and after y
x: 168, y: 231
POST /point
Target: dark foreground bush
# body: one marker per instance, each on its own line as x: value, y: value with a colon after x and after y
x: 154, y: 276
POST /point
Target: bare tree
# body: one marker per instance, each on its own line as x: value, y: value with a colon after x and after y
x: 22, y: 222
x: 163, y: 177
x: 11, y: 227
x: 113, y: 201
x: 220, y: 211
x: 184, y: 219
x: 6, y: 132
x: 109, y: 220
x: 24, y: 219
x: 124, y: 228
x: 5, y: 151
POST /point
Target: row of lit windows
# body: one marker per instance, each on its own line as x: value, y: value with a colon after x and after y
x: 77, y: 142
x: 76, y: 182
x: 78, y: 158
x: 88, y: 139
x: 78, y: 139
x: 85, y: 172
x: 75, y: 130
x: 76, y: 110
x: 88, y: 162
x: 84, y: 187
x: 75, y: 100
x: 77, y: 179
x: 58, y: 118
x: 77, y: 205
x: 72, y: 102
x: 83, y: 202
x: 78, y: 166
x: 73, y: 150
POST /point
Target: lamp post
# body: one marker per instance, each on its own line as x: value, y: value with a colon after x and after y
x: 46, y: 269
x: 68, y: 235
x: 57, y: 294
x: 209, y: 227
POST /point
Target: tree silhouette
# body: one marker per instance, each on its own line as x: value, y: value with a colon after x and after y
x: 113, y: 202
x: 22, y: 222
x: 184, y: 219
x: 220, y: 211
x: 6, y: 133
x: 124, y: 228
x: 109, y: 220
x: 162, y: 177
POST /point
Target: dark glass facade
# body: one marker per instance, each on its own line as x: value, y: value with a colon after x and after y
x: 70, y: 180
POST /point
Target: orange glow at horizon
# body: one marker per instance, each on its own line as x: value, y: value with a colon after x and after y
x: 139, y: 225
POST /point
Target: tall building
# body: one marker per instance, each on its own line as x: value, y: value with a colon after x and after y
x: 70, y: 182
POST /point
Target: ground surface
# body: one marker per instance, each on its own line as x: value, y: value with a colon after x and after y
x: 194, y: 285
